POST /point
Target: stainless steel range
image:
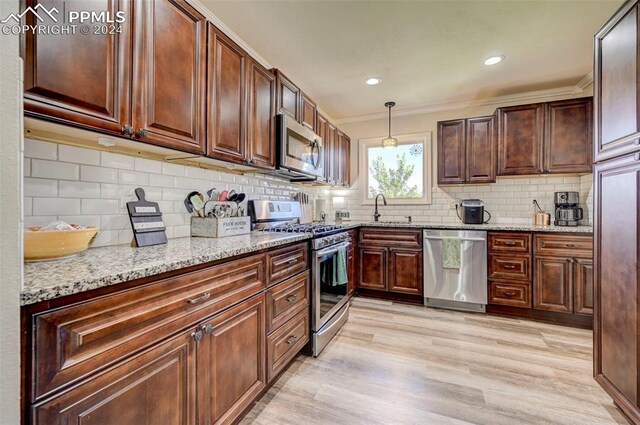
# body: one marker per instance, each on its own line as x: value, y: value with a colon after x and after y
x: 330, y: 243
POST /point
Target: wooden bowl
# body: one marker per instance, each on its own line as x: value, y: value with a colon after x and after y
x: 42, y: 245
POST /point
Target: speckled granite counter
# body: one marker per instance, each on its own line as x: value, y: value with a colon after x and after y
x: 460, y: 226
x: 98, y: 267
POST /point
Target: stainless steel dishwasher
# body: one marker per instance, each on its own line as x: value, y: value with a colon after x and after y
x: 459, y: 281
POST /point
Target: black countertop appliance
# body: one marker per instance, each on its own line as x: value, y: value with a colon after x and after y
x: 472, y: 211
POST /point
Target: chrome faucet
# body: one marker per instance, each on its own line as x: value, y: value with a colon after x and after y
x: 376, y: 214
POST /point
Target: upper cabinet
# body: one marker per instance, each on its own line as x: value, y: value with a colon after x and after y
x: 94, y: 92
x: 617, y: 64
x: 568, y: 146
x: 520, y: 138
x: 261, y: 114
x: 226, y: 138
x: 308, y: 113
x: 466, y: 151
x: 288, y: 98
x: 169, y: 71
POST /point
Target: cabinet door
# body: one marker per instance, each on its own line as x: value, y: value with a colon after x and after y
x: 346, y: 159
x: 82, y: 80
x: 569, y: 141
x: 552, y: 284
x: 261, y: 126
x: 451, y: 152
x: 351, y: 272
x: 338, y: 157
x: 231, y: 362
x: 481, y: 150
x: 616, y: 89
x: 583, y: 286
x: 405, y: 271
x: 321, y: 130
x: 520, y: 138
x: 226, y: 98
x: 309, y: 109
x: 169, y: 87
x: 373, y: 268
x: 288, y: 97
x: 330, y: 154
x: 157, y: 386
x: 616, y: 331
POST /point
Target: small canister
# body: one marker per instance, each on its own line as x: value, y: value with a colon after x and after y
x: 542, y: 218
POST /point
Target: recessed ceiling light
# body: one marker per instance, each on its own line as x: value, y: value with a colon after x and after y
x: 373, y: 81
x: 494, y: 60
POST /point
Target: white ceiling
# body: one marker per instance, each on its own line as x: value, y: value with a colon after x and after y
x: 426, y: 52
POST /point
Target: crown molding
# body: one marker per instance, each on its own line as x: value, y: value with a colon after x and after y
x: 229, y: 32
x: 527, y: 97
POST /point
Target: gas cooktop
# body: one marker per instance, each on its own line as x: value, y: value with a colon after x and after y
x: 317, y: 229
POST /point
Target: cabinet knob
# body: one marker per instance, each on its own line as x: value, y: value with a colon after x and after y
x: 197, y: 336
x: 292, y: 298
x: 127, y: 130
x: 208, y: 329
x: 637, y: 157
x: 142, y: 133
x: 292, y: 339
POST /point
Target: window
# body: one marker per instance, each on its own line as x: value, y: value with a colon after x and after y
x: 401, y: 174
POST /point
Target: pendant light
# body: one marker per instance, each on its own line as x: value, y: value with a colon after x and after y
x: 390, y: 142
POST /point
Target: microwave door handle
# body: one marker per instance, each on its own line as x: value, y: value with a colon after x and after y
x: 315, y: 147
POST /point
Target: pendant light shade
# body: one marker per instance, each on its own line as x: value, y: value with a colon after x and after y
x: 390, y: 142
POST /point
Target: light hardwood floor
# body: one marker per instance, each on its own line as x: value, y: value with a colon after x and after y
x: 401, y: 364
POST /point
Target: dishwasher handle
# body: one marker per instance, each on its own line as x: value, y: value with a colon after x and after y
x: 439, y: 238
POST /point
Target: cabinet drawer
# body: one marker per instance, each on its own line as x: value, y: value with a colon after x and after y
x: 285, y: 343
x: 509, y: 266
x: 564, y: 245
x: 390, y: 237
x: 515, y: 294
x: 286, y: 299
x: 74, y: 341
x: 510, y: 242
x: 286, y: 262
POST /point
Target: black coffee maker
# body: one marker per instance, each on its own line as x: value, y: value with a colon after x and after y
x: 568, y: 213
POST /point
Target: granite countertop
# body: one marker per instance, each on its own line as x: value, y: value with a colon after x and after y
x: 98, y: 267
x: 461, y: 226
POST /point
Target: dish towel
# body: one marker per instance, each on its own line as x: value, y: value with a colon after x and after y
x: 341, y: 267
x: 451, y: 253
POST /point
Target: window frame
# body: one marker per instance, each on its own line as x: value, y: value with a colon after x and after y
x: 427, y: 159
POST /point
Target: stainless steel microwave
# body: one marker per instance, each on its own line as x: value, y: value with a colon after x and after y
x: 300, y: 150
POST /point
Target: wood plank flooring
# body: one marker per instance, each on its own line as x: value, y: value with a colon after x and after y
x: 402, y: 364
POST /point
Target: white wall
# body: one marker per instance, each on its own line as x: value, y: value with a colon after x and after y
x: 10, y: 221
x: 509, y: 200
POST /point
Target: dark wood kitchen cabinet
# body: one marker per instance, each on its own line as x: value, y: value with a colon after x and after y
x: 346, y: 159
x: 308, y: 112
x: 289, y: 96
x: 568, y: 146
x: 467, y: 151
x: 583, y: 286
x: 520, y: 139
x: 261, y: 115
x: 390, y: 263
x: 169, y: 69
x: 553, y: 284
x: 226, y: 138
x: 616, y: 70
x: 331, y: 167
x: 351, y: 270
x: 95, y: 92
x: 182, y: 348
x: 617, y: 281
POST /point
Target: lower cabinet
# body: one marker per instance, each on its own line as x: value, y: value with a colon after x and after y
x: 405, y: 271
x: 155, y: 387
x: 553, y: 284
x: 231, y: 364
x: 351, y: 271
x: 373, y: 268
x: 583, y: 286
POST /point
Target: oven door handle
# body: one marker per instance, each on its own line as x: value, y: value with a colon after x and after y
x: 331, y: 250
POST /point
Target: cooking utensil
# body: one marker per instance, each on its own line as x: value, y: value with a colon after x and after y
x: 241, y: 197
x: 213, y: 194
x: 197, y: 201
x: 232, y: 195
x: 224, y: 195
x: 540, y: 217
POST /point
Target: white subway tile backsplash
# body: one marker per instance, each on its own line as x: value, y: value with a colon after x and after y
x: 115, y: 222
x: 26, y: 167
x: 56, y: 206
x: 106, y: 237
x: 100, y: 206
x: 98, y: 174
x: 83, y: 220
x: 174, y: 194
x: 27, y: 205
x: 194, y: 172
x: 147, y: 165
x: 160, y: 180
x: 38, y: 221
x: 70, y: 189
x: 40, y: 150
x: 78, y: 155
x: 54, y: 170
x: 116, y: 160
x: 40, y: 187
x: 173, y: 169
x: 184, y: 183
x: 133, y: 178
x: 111, y: 191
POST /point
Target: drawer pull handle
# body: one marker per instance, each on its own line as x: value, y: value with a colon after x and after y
x: 510, y: 293
x: 509, y: 266
x: 292, y: 339
x: 570, y: 245
x: 204, y: 297
x: 292, y: 261
x: 292, y: 298
x: 510, y: 243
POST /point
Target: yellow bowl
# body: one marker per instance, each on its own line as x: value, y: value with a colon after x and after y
x: 51, y: 244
